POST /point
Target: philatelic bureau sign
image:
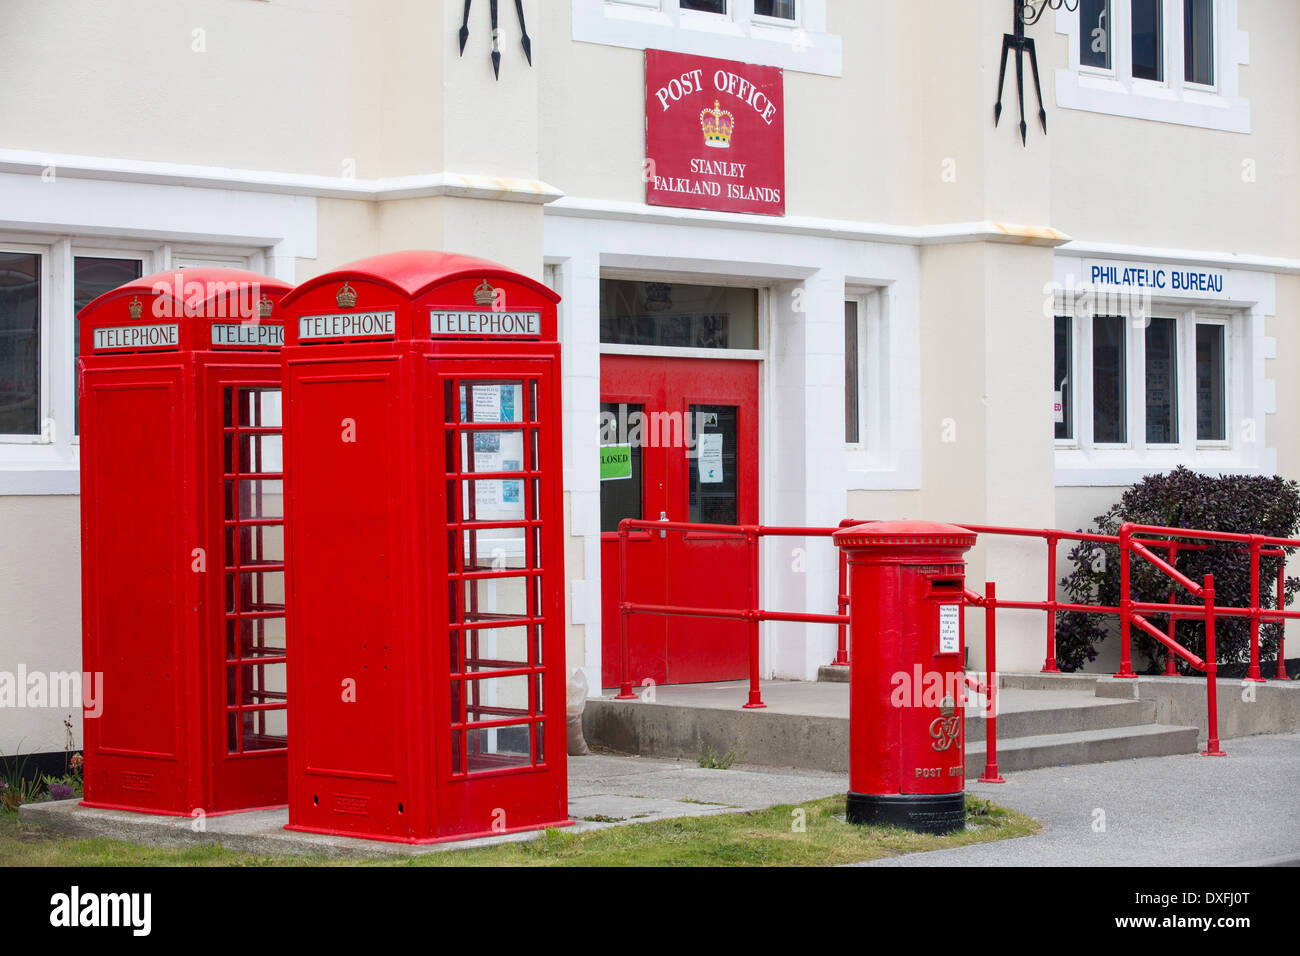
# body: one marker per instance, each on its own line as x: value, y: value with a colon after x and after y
x: 715, y: 134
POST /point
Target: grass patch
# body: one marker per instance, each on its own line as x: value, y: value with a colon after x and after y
x: 710, y: 759
x: 754, y: 838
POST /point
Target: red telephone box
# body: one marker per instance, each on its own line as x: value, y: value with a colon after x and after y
x: 426, y: 523
x: 907, y: 581
x: 182, y: 544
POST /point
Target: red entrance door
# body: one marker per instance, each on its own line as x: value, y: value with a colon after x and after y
x: 693, y: 429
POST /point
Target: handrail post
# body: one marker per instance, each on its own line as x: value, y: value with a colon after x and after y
x: 1253, y: 673
x: 1125, y: 605
x: 991, y: 774
x: 624, y: 615
x: 1171, y: 659
x: 755, y: 696
x: 842, y: 605
x: 1049, y: 664
x: 1281, y: 606
x: 1212, y: 748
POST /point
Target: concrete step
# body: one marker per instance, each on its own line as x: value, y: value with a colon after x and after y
x: 1086, y: 746
x: 1090, y: 714
x: 1036, y: 681
x: 833, y: 673
x: 1027, y: 738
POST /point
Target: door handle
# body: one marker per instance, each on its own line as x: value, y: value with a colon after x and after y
x: 663, y: 516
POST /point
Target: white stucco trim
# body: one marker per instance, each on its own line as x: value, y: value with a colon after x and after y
x: 59, y: 215
x: 802, y: 45
x: 1249, y: 297
x: 1223, y: 260
x: 806, y: 467
x: 1116, y: 92
x: 111, y: 169
x: 811, y: 226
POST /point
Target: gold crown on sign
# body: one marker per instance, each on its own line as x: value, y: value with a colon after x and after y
x: 347, y: 297
x: 717, y: 124
x: 485, y: 294
x: 264, y: 307
x: 135, y: 307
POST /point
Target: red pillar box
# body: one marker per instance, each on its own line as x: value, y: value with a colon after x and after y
x: 182, y: 543
x: 906, y: 674
x: 426, y: 551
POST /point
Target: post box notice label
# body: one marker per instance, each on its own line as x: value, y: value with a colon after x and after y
x: 346, y: 325
x: 496, y: 324
x: 137, y: 337
x: 247, y: 333
x: 949, y: 628
x: 615, y: 462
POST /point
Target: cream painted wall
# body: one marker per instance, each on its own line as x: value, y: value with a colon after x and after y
x: 40, y: 624
x: 843, y: 140
x: 123, y: 79
x: 1157, y: 184
x: 1281, y: 428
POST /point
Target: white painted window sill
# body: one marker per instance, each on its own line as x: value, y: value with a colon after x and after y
x: 803, y: 48
x: 1139, y: 99
x: 1115, y: 467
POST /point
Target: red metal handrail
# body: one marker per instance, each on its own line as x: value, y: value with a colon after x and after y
x: 1131, y: 613
x: 753, y: 615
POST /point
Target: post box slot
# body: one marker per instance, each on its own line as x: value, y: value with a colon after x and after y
x: 947, y: 587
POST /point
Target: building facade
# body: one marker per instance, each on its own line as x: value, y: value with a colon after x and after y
x: 866, y: 332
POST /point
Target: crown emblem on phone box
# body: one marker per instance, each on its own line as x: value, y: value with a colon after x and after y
x: 717, y: 124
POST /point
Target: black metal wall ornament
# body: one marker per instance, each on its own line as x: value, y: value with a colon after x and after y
x: 1025, y: 13
x: 496, y: 34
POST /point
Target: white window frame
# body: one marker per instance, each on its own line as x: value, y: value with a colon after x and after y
x: 1230, y: 400
x: 801, y: 45
x: 872, y: 449
x: 66, y: 394
x: 1135, y: 451
x: 1173, y: 100
x: 763, y: 307
x: 1072, y: 376
x: 47, y: 274
x: 47, y: 462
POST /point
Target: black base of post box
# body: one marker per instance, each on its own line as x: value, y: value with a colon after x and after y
x: 919, y: 812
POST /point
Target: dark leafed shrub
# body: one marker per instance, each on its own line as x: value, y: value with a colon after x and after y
x: 1182, y: 499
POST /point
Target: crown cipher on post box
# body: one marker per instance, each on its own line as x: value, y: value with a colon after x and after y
x: 182, y: 547
x: 425, y: 521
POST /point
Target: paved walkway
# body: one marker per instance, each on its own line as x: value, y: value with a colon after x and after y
x: 1156, y: 811
x: 1189, y: 810
x: 604, y: 790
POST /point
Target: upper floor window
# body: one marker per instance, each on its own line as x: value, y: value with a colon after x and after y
x: 790, y: 34
x: 1094, y: 35
x: 1148, y: 40
x: 1198, y: 41
x: 781, y: 9
x: 1174, y: 61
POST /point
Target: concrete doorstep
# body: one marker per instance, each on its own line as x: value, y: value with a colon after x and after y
x: 1044, y: 720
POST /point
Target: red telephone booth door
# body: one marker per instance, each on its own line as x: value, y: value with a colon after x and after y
x: 494, y: 444
x: 249, y: 666
x: 693, y: 428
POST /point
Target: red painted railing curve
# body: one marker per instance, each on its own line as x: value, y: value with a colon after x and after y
x: 753, y: 614
x: 1142, y: 541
